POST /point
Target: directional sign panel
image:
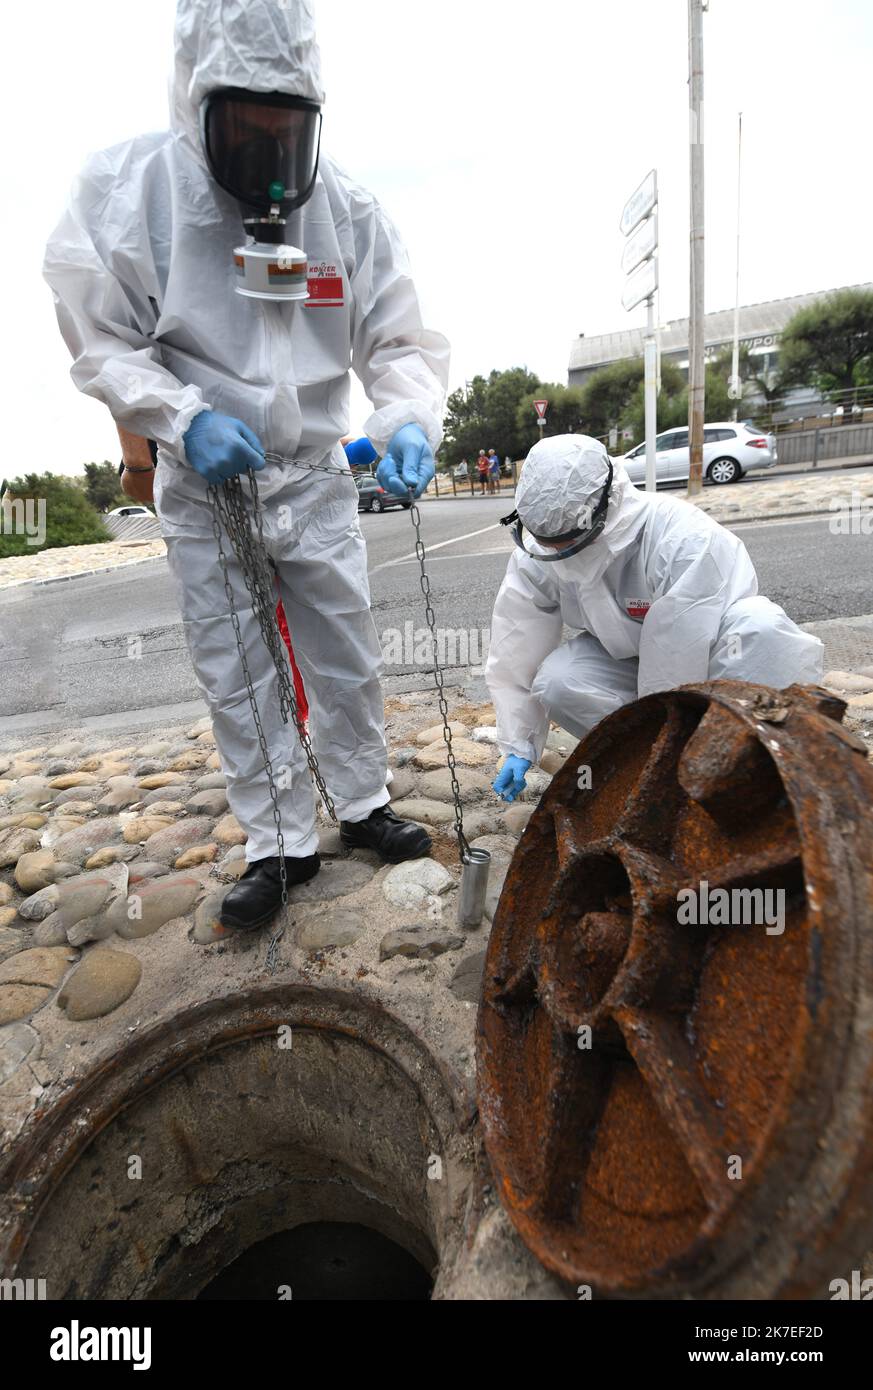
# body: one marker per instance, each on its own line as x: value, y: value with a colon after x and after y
x: 641, y: 245
x: 640, y: 203
x: 641, y: 284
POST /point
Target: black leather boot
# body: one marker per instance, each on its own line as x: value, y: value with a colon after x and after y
x: 392, y: 838
x: 258, y: 895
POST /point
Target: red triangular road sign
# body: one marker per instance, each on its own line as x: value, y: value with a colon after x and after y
x: 540, y: 408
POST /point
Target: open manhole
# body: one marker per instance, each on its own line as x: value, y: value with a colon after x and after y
x: 290, y: 1144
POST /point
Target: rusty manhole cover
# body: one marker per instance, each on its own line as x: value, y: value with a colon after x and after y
x: 674, y: 1107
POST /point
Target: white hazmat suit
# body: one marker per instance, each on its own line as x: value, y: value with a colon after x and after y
x: 662, y: 597
x: 142, y: 271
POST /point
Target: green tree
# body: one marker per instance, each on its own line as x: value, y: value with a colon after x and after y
x: 103, y: 486
x: 672, y: 406
x: 829, y: 345
x: 483, y: 414
x: 54, y: 509
x: 609, y: 394
x: 564, y: 415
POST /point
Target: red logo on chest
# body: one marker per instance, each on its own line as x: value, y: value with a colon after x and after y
x: 637, y: 607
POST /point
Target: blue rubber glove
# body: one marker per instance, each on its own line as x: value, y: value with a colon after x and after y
x: 509, y: 781
x: 218, y: 446
x: 408, y: 462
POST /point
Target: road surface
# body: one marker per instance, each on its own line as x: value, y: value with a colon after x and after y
x: 99, y: 648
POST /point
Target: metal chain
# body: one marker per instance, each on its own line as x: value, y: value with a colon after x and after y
x: 229, y: 512
x: 430, y: 618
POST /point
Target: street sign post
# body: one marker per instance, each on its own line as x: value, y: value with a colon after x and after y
x: 541, y: 407
x: 640, y: 203
x: 639, y: 261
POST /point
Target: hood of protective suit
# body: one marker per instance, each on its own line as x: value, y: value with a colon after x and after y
x: 560, y: 485
x: 261, y: 45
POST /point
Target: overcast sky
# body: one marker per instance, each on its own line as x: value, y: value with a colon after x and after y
x: 503, y: 138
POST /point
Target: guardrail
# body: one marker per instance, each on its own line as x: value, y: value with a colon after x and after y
x: 826, y: 443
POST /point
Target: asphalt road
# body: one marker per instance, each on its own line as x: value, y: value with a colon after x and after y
x: 111, y: 644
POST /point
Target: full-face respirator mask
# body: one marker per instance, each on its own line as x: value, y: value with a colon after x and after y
x: 262, y: 148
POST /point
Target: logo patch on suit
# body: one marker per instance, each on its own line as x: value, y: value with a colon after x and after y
x: 325, y: 285
x: 637, y: 607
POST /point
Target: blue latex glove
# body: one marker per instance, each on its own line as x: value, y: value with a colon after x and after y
x: 510, y: 779
x: 408, y: 462
x: 218, y: 446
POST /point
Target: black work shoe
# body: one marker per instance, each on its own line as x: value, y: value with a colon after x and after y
x: 392, y: 838
x: 258, y: 895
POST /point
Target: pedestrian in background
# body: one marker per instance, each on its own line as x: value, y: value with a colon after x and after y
x: 482, y: 470
x: 493, y: 472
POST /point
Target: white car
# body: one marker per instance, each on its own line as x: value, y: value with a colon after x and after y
x: 730, y: 449
x: 132, y: 510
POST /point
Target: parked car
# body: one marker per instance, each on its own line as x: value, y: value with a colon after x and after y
x: 132, y: 510
x: 373, y: 498
x: 730, y: 449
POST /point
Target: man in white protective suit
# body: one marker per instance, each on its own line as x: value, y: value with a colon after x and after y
x: 657, y: 593
x: 143, y: 271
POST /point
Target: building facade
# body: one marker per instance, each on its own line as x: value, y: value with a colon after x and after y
x: 761, y: 326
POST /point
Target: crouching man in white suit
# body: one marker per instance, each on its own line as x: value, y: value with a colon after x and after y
x: 658, y: 593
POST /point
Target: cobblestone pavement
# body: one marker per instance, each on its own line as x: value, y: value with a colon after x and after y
x: 114, y: 858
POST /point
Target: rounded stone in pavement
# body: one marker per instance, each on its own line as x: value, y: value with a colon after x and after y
x: 466, y: 983
x: 7, y: 916
x: 210, y: 781
x: 17, y: 1001
x: 79, y: 844
x: 402, y: 784
x: 144, y: 869
x: 166, y: 844
x: 119, y: 797
x: 19, y: 1043
x: 113, y: 854
x: 426, y: 812
x: 467, y: 754
x: 228, y: 831
x: 140, y: 828
x: 35, y: 790
x: 45, y: 967
x: 409, y: 884
x: 161, y: 779
x: 472, y: 784
x: 207, y: 928
x: 424, y: 942
x: 16, y: 842
x: 329, y: 841
x: 35, y: 870
x: 515, y: 818
x: 152, y: 903
x: 73, y: 779
x: 179, y: 792
x: 12, y: 940
x: 102, y: 981
x: 39, y: 905
x: 340, y: 928
x: 495, y: 845
x: 197, y: 854
x: 209, y: 802
x: 435, y: 731
x: 335, y: 879
x: 73, y: 794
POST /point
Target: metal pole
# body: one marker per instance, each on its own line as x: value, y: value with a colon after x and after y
x: 696, y: 353
x: 736, y: 386
x: 650, y: 367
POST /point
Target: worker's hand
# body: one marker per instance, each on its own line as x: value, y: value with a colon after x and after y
x: 509, y: 781
x: 408, y: 463
x: 218, y: 446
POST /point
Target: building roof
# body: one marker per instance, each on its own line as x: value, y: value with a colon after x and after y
x: 756, y: 320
